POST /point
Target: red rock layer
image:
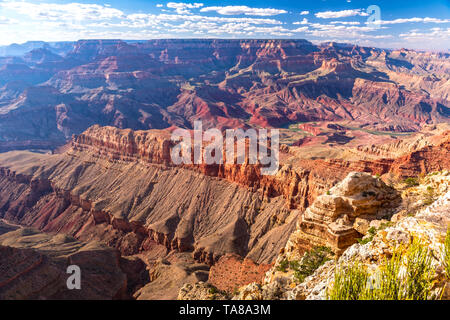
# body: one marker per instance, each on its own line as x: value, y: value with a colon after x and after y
x: 231, y: 272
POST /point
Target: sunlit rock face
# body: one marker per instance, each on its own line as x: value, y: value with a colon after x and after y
x: 50, y: 93
x: 330, y: 219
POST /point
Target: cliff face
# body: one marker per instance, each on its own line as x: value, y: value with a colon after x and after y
x: 298, y: 187
x: 120, y: 187
x: 34, y: 266
x: 132, y: 205
x: 45, y: 97
x: 331, y: 220
x: 424, y: 222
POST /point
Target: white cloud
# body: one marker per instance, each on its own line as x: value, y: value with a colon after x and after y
x: 73, y: 21
x: 354, y: 23
x: 302, y: 29
x: 304, y: 21
x: 304, y: 13
x: 409, y: 20
x: 145, y: 20
x: 183, y: 8
x: 5, y: 20
x: 70, y: 11
x: 238, y: 10
x: 341, y: 14
x: 432, y: 34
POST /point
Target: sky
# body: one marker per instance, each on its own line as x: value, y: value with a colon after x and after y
x: 411, y: 24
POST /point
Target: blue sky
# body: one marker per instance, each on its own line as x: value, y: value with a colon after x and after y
x: 393, y: 24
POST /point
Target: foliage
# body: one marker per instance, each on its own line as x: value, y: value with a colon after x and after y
x: 411, y: 182
x: 283, y: 265
x: 429, y: 196
x: 447, y: 253
x: 370, y: 234
x: 213, y: 290
x: 387, y: 286
x: 310, y: 262
x: 419, y: 272
x: 407, y: 275
x: 349, y: 283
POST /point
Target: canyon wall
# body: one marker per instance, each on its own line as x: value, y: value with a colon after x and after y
x: 119, y: 187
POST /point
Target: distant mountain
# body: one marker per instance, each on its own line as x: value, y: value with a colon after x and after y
x: 225, y: 83
x: 21, y: 49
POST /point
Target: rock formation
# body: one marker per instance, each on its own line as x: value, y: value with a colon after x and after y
x: 119, y: 187
x: 59, y: 89
x: 429, y: 225
x: 33, y: 266
x: 333, y: 217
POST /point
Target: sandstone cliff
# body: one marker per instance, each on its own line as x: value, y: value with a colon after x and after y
x: 424, y: 222
x: 119, y: 187
x: 45, y: 97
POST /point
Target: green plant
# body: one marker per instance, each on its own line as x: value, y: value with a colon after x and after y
x: 447, y: 253
x: 419, y: 272
x: 310, y: 262
x: 370, y: 234
x: 411, y: 182
x: 407, y: 275
x: 429, y: 196
x: 385, y: 225
x: 387, y: 285
x: 363, y: 241
x: 284, y: 264
x: 213, y: 290
x: 349, y: 282
x: 328, y: 192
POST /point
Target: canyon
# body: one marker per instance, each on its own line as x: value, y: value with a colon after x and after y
x: 118, y: 187
x: 59, y: 89
x: 86, y: 175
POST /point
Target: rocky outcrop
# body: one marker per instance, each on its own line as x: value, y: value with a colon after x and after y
x: 60, y: 197
x: 428, y: 225
x: 119, y: 187
x: 168, y: 275
x: 34, y: 265
x: 201, y: 291
x: 333, y: 217
x: 232, y: 272
x: 261, y: 83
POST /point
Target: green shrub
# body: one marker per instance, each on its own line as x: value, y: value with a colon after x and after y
x: 213, y: 290
x: 411, y: 182
x: 284, y: 264
x: 429, y: 196
x: 310, y: 262
x: 419, y: 272
x: 389, y: 283
x: 363, y: 241
x: 349, y: 283
x: 447, y: 253
x: 370, y: 234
